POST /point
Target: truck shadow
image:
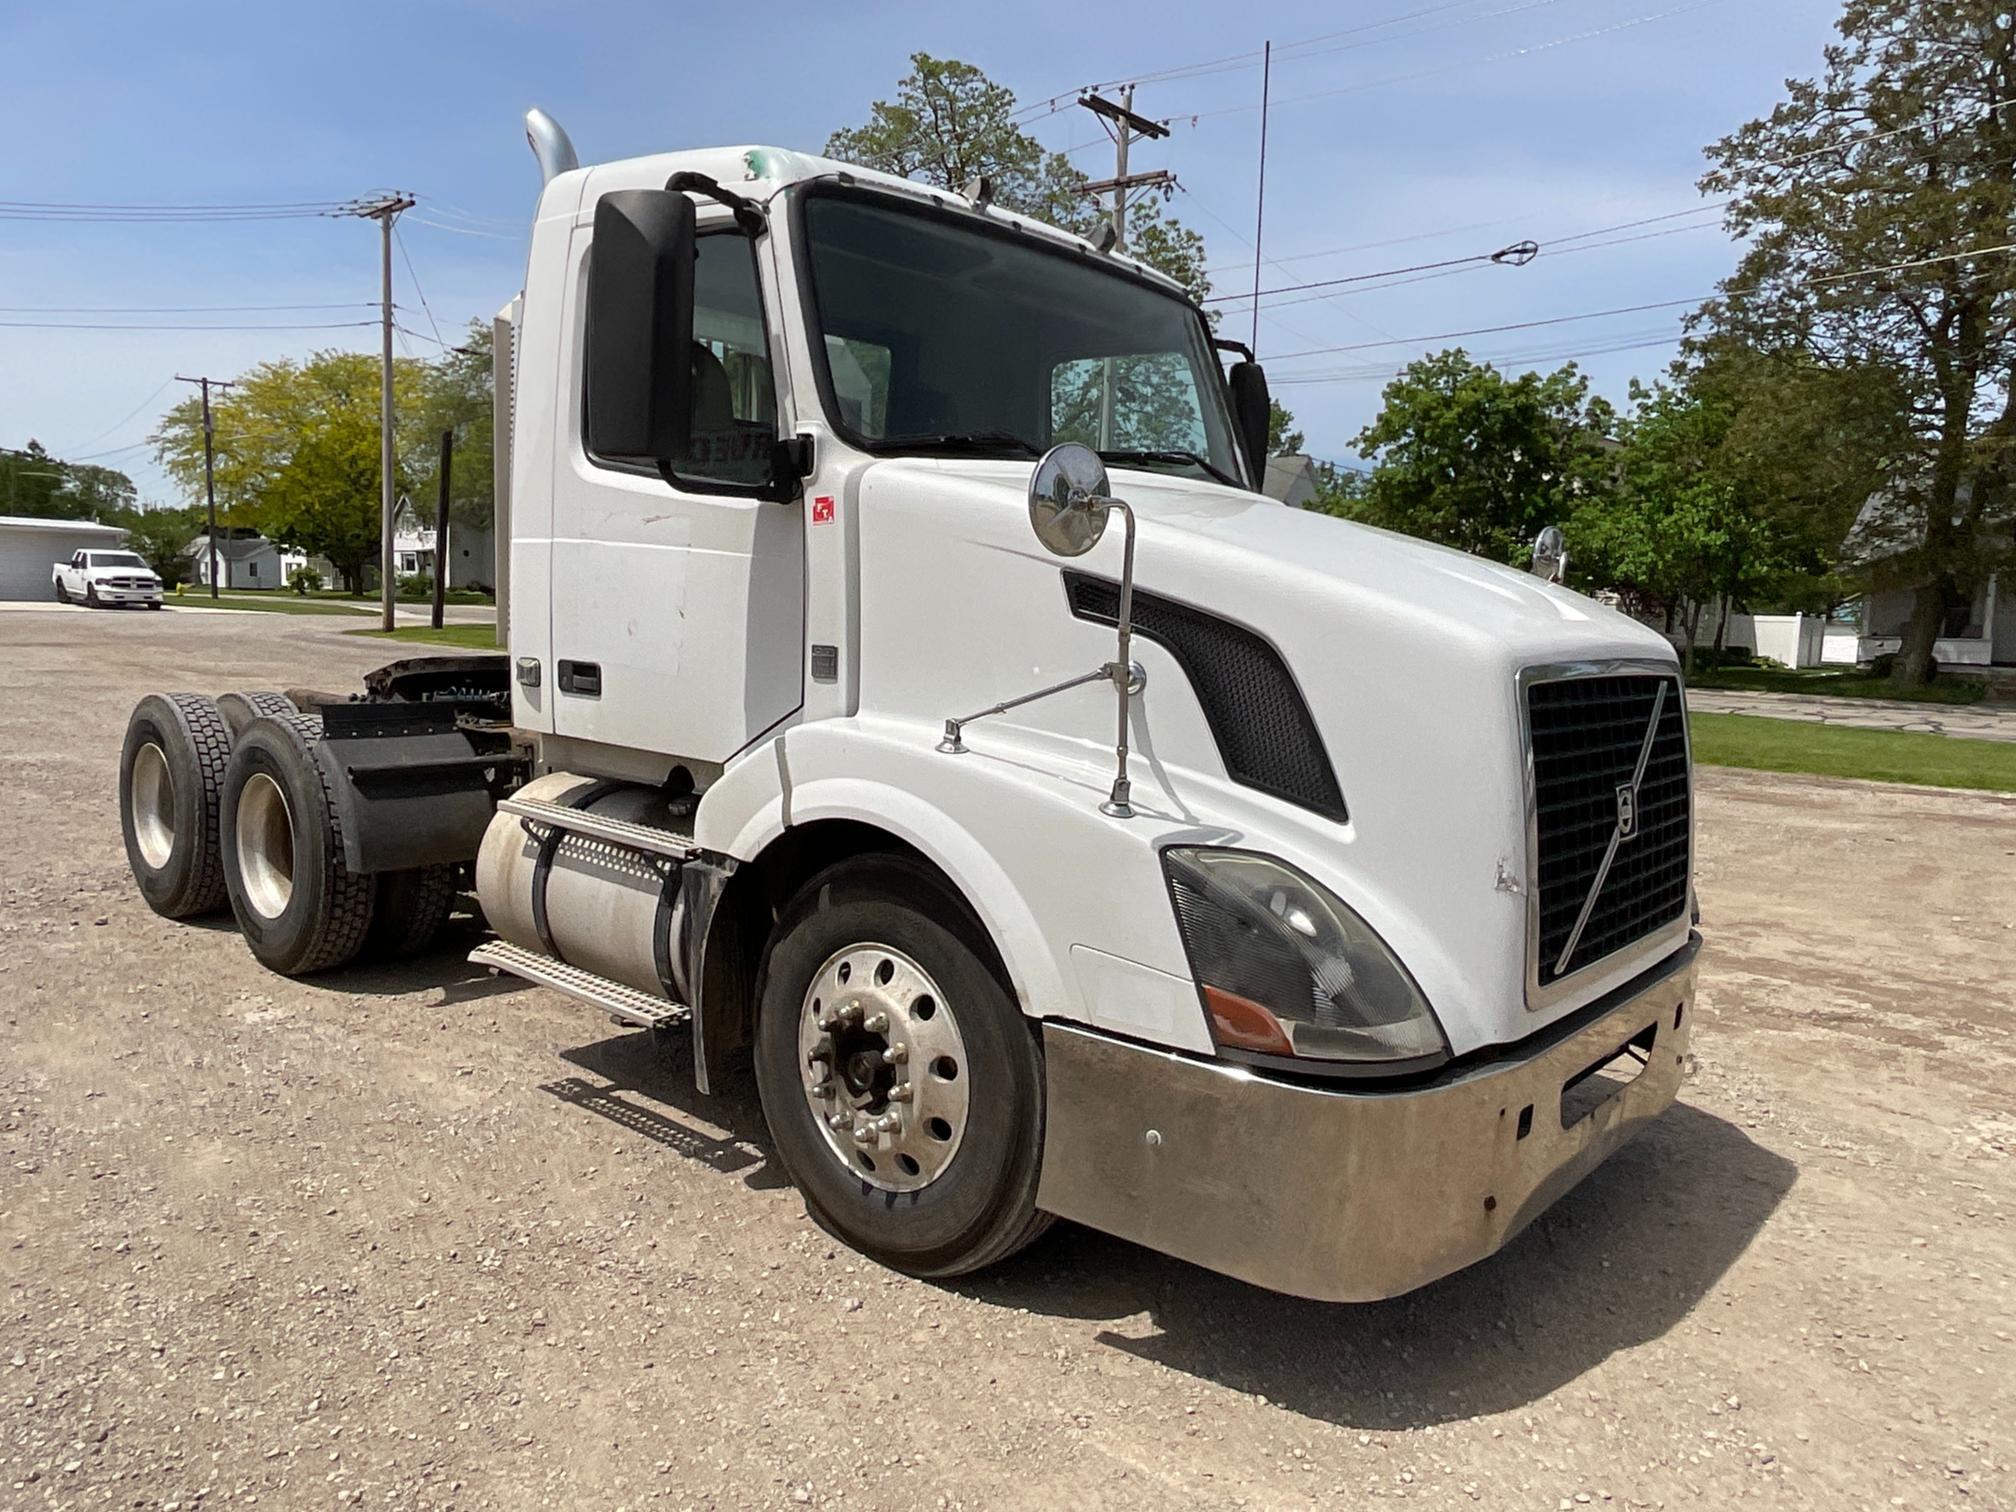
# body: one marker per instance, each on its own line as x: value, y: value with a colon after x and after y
x: 1615, y: 1264
x: 642, y: 1081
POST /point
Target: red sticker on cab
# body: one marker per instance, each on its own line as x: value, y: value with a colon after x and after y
x: 822, y: 510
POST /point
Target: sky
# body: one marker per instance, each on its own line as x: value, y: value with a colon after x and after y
x: 1403, y: 132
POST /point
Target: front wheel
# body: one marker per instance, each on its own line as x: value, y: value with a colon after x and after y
x: 902, y: 1086
x: 91, y: 594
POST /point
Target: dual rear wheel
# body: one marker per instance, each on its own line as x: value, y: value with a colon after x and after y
x: 222, y: 801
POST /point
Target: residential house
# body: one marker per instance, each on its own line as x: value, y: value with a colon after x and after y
x: 1977, y: 634
x: 245, y: 559
x: 472, y: 550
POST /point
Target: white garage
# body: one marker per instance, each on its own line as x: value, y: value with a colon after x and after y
x: 30, y: 547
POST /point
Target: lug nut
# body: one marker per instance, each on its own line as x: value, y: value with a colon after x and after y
x: 822, y: 1089
x: 850, y: 1012
x: 822, y: 1048
x: 888, y: 1121
x: 896, y: 1054
x: 864, y: 1135
x: 839, y: 1120
x: 901, y: 1092
x: 876, y: 1023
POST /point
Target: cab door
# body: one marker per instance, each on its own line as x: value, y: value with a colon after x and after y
x: 678, y: 607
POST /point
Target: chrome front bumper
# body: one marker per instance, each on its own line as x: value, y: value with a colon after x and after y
x: 1346, y: 1195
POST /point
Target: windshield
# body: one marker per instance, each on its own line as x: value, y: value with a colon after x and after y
x: 944, y: 336
x: 115, y: 559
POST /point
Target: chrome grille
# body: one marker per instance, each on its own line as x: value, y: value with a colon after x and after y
x: 1613, y: 847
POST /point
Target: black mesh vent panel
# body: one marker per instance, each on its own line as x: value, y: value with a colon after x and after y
x: 1587, y: 733
x: 1266, y: 735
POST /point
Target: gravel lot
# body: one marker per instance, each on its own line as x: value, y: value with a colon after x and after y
x: 426, y: 1239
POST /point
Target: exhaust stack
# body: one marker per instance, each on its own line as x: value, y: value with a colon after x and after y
x: 550, y: 144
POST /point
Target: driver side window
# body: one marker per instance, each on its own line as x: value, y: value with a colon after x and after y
x: 734, y: 422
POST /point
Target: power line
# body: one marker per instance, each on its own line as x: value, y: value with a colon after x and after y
x: 413, y: 273
x: 124, y: 421
x: 1518, y: 254
x: 83, y: 325
x: 355, y: 304
x: 1517, y: 325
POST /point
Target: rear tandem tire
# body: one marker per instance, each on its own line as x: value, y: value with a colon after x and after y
x: 301, y: 909
x: 410, y: 909
x: 240, y: 709
x: 171, y: 782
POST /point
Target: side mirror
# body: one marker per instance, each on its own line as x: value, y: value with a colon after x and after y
x: 1250, y: 407
x: 640, y: 326
x: 1550, y: 555
x: 1068, y: 502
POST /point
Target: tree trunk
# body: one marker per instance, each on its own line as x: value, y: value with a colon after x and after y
x: 1722, y: 627
x: 1693, y: 629
x: 1913, y: 668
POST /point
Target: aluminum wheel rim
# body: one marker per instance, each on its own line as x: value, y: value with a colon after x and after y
x: 883, y: 1067
x: 265, y: 836
x: 152, y: 789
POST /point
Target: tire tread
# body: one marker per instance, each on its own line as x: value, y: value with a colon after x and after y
x: 347, y: 920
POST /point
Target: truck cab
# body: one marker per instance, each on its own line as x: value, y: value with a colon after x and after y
x: 910, y: 689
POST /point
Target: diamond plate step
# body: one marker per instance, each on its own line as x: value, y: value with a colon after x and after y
x: 626, y: 1003
x: 644, y: 837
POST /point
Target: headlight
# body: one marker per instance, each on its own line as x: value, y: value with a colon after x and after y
x: 1285, y: 968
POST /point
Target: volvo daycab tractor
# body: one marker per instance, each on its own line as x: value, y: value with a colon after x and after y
x: 910, y: 693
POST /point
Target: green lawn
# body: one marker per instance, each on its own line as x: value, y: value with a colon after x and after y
x: 1794, y: 745
x: 274, y: 604
x: 469, y: 637
x: 1833, y: 682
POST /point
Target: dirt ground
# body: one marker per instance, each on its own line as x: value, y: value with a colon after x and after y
x: 427, y: 1239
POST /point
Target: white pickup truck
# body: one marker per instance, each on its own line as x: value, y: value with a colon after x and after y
x: 106, y: 577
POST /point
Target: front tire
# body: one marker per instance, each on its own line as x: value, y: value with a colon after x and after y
x: 91, y: 594
x: 171, y: 781
x: 878, y: 978
x: 301, y: 909
x: 62, y: 593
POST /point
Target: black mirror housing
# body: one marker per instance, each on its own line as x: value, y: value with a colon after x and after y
x: 1250, y: 408
x: 640, y: 323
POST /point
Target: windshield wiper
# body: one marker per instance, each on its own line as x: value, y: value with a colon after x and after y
x: 981, y: 442
x: 1170, y: 454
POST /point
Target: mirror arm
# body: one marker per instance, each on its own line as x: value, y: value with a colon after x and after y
x: 750, y: 218
x: 953, y: 746
x: 1118, y: 803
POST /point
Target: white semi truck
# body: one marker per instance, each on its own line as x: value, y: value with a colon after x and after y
x: 908, y: 690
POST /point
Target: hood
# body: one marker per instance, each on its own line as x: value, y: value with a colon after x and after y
x: 1207, y: 537
x: 1407, y: 657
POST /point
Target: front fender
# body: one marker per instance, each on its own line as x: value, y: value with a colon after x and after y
x: 1073, y: 900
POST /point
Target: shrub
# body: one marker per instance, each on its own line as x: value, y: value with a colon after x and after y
x: 416, y: 587
x: 304, y: 580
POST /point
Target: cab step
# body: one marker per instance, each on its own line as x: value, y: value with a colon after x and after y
x: 642, y: 837
x: 614, y: 998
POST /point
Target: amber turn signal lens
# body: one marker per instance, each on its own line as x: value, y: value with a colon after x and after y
x: 1239, y: 1023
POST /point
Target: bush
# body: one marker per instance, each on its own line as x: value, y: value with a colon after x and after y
x: 1883, y: 665
x: 416, y: 587
x: 304, y: 580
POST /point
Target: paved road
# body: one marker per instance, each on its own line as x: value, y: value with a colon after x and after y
x: 344, y: 614
x: 1969, y: 721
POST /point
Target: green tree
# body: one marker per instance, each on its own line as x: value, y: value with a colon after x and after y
x: 37, y: 484
x: 297, y: 452
x: 1283, y: 440
x: 1468, y: 457
x: 456, y: 394
x: 162, y: 536
x: 950, y: 124
x: 1862, y: 196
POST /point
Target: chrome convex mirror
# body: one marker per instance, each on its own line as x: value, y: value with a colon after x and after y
x: 1550, y: 555
x: 1068, y: 510
x: 1067, y: 500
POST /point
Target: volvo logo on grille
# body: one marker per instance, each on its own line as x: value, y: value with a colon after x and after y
x: 1627, y: 826
x: 1627, y: 811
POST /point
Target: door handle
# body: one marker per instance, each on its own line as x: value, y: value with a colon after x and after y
x: 582, y: 679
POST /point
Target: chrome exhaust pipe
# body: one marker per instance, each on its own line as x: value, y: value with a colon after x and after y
x: 550, y: 145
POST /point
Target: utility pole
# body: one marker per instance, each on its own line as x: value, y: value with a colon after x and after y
x: 385, y: 211
x: 1260, y: 202
x: 1123, y: 125
x: 441, y: 527
x: 209, y: 464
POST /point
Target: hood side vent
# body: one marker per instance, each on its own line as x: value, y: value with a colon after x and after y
x: 1265, y: 734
